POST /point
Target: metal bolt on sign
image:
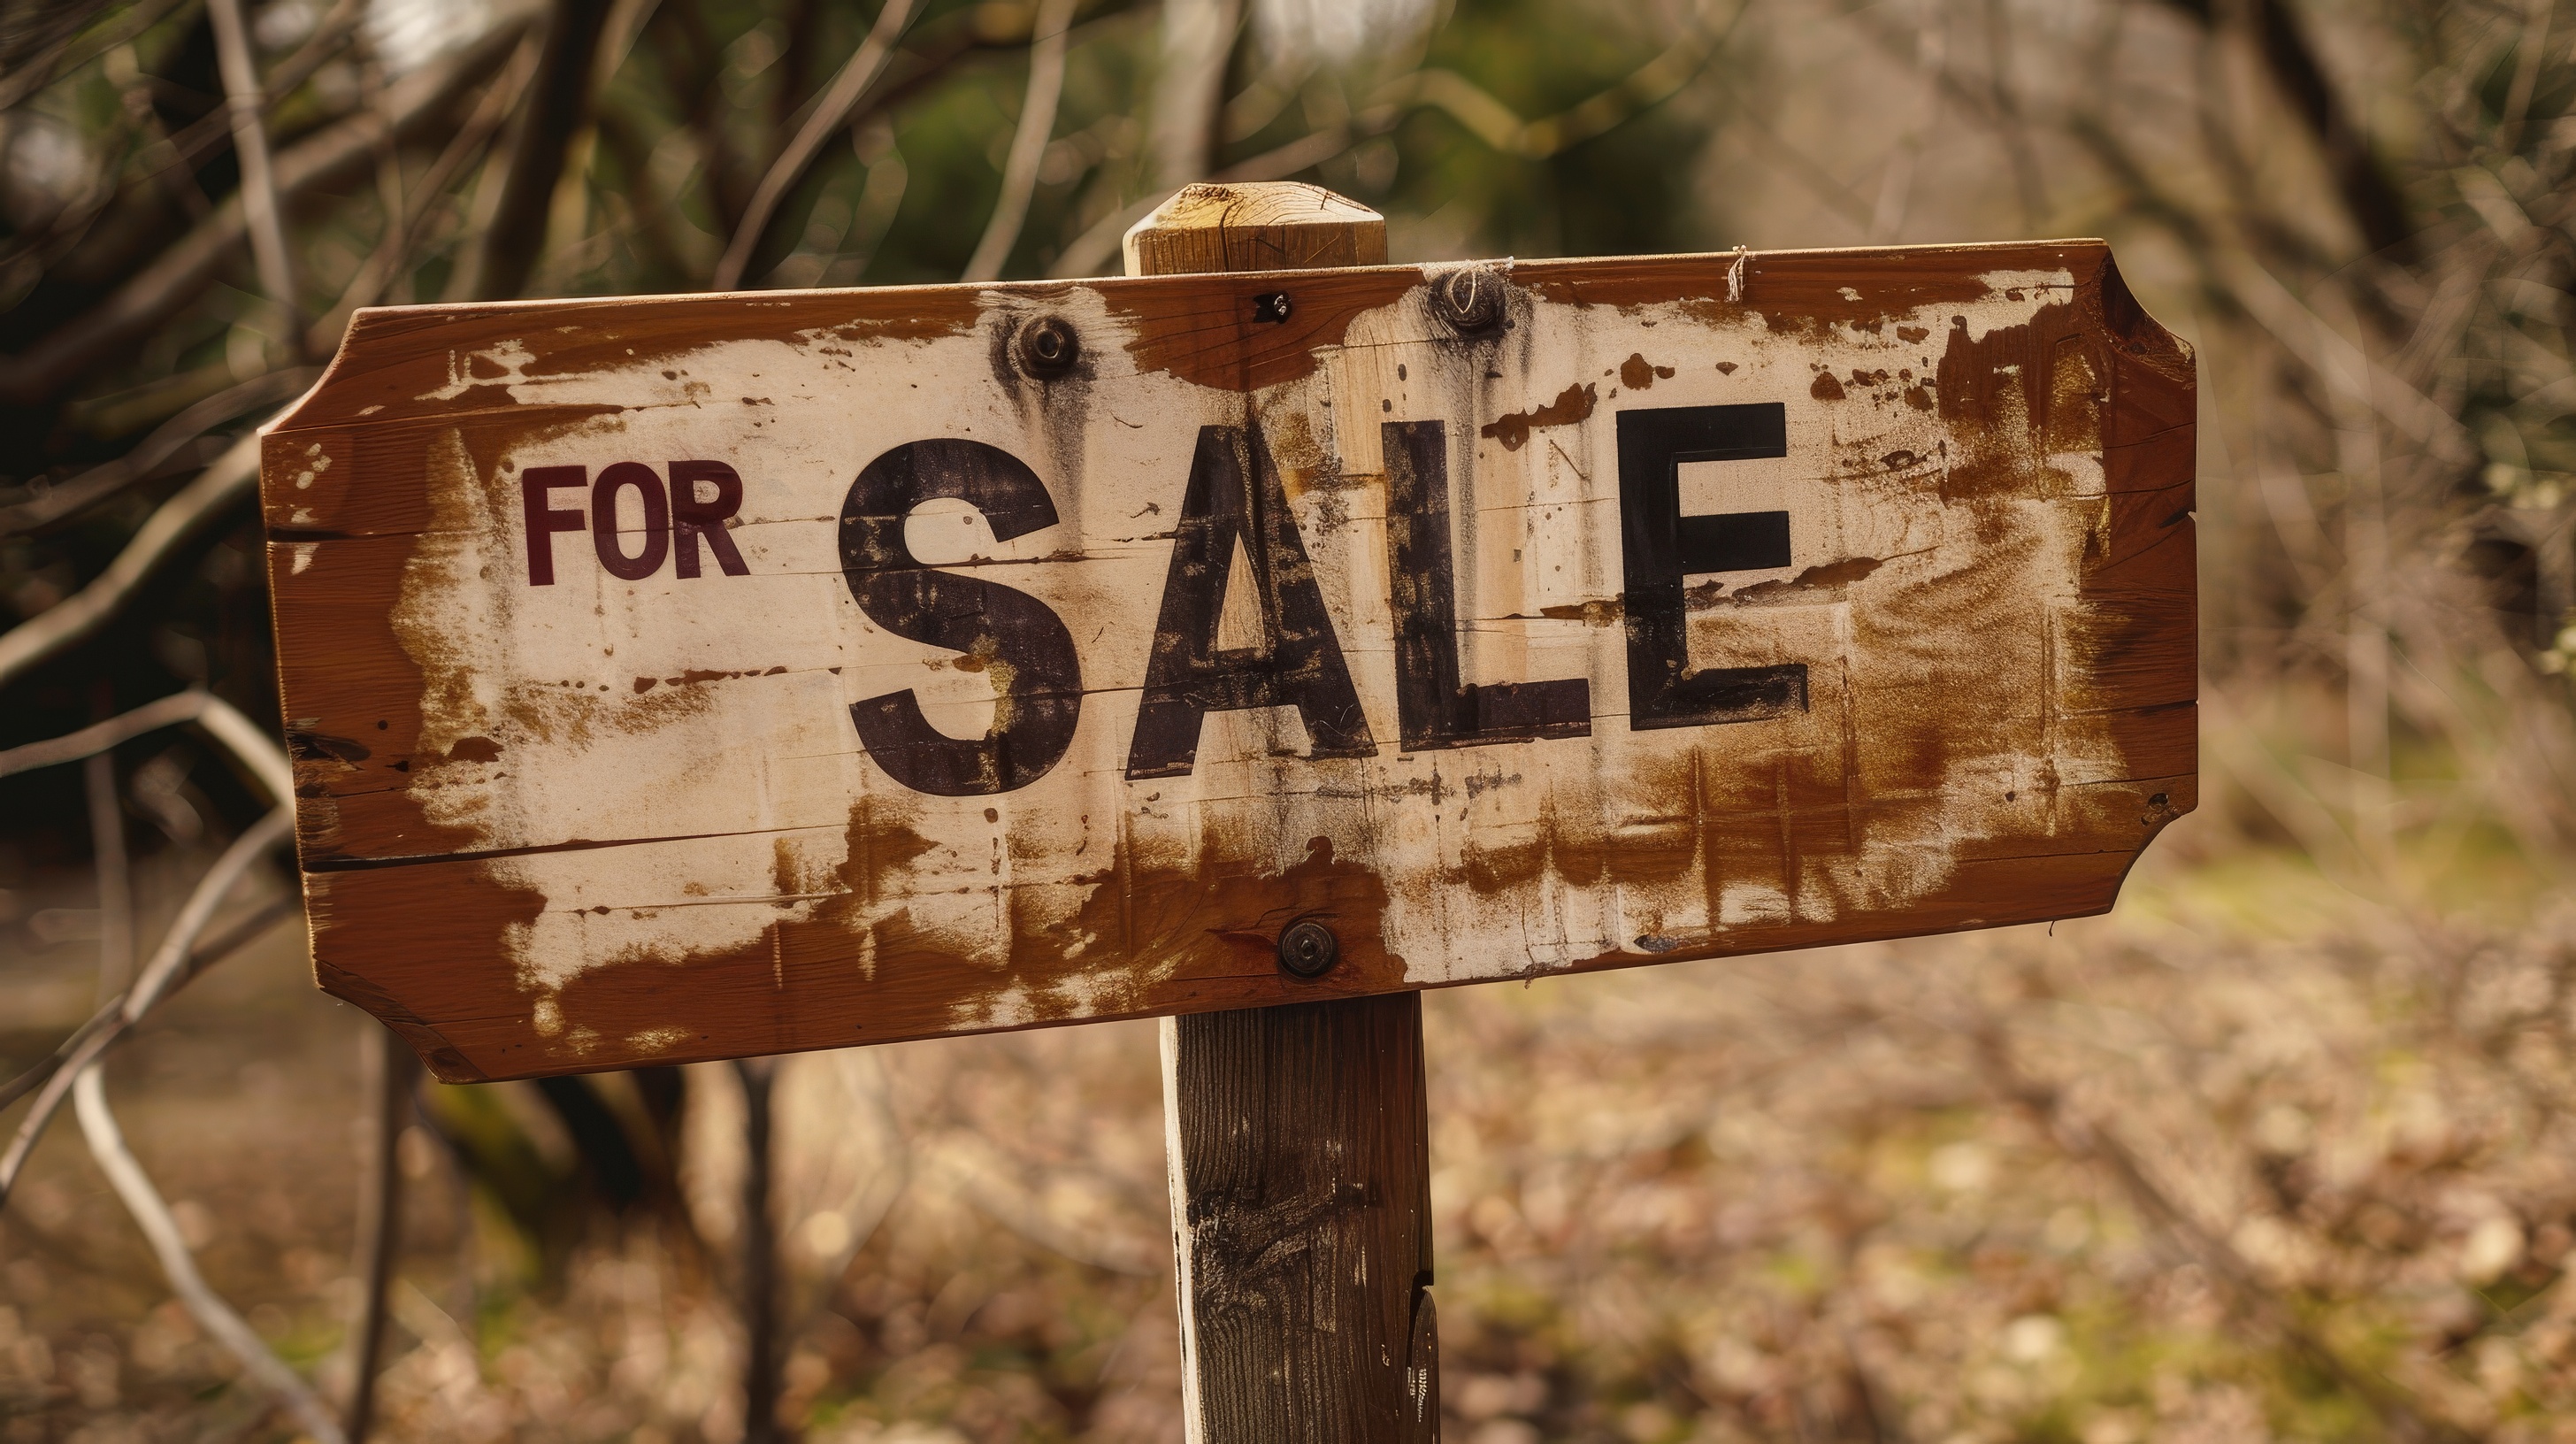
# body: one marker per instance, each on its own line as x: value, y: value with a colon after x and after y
x: 1047, y: 348
x: 1308, y: 949
x: 1469, y: 299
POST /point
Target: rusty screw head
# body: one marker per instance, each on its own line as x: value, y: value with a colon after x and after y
x: 1469, y: 300
x: 1308, y: 949
x: 1047, y: 347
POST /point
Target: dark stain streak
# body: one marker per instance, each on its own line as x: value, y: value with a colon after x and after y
x: 314, y: 746
x: 575, y: 844
x: 1591, y: 613
x: 1822, y: 577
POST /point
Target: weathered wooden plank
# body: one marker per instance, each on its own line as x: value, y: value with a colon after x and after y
x: 536, y: 818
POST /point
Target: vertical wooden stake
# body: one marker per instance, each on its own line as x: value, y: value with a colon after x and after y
x: 1298, y: 1136
x: 760, y: 1361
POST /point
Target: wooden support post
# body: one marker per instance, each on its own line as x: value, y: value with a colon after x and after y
x: 1298, y: 1136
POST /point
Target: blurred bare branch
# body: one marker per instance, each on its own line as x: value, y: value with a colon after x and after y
x: 1198, y: 38
x: 207, y: 137
x: 1028, y: 142
x: 558, y: 107
x: 167, y: 971
x: 832, y: 110
x: 222, y: 944
x: 125, y: 1174
x: 189, y: 265
x: 1475, y: 109
x: 758, y: 1274
x: 403, y: 233
x: 53, y: 503
x: 248, y: 742
x: 2269, y: 1153
x: 224, y: 484
x: 260, y: 208
x: 392, y: 1074
x: 27, y: 73
x: 2372, y: 199
x: 113, y: 871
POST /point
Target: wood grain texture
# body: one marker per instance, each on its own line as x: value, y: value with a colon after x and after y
x: 1301, y: 1206
x: 1272, y: 226
x: 609, y: 821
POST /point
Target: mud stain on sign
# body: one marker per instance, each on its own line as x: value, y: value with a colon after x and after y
x: 1572, y: 405
x: 609, y: 819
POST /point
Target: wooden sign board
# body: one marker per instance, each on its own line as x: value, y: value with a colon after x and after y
x: 690, y: 677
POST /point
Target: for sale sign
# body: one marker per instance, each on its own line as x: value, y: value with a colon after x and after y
x: 689, y: 677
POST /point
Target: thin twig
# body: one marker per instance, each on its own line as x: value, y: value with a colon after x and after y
x: 35, y: 74
x: 553, y: 116
x: 183, y: 271
x: 244, y: 738
x: 107, y: 479
x: 976, y: 1171
x: 1092, y: 249
x: 205, y: 137
x: 224, y: 944
x: 391, y: 1072
x: 115, y: 875
x: 1198, y: 39
x: 167, y: 970
x: 393, y: 200
x: 760, y: 1372
x: 125, y: 1174
x: 34, y: 1077
x: 223, y: 485
x: 158, y: 160
x: 1473, y: 107
x: 250, y: 144
x: 1028, y: 143
x: 403, y: 233
x: 831, y: 112
x: 2377, y: 208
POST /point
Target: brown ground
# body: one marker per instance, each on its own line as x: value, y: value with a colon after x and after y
x: 2255, y: 1157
